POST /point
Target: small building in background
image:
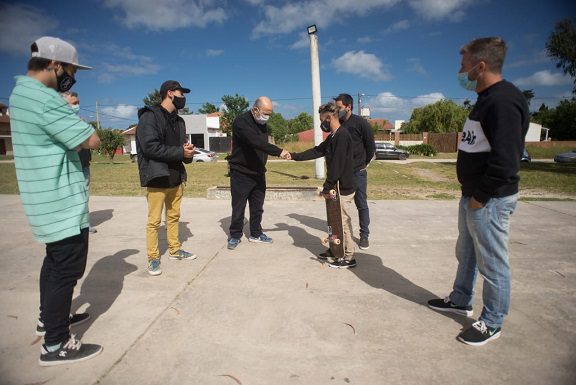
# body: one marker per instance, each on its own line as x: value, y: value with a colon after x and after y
x: 5, y: 133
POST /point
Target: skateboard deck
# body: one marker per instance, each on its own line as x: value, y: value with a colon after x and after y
x: 335, y: 238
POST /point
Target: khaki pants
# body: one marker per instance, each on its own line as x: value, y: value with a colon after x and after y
x: 346, y: 201
x: 157, y: 199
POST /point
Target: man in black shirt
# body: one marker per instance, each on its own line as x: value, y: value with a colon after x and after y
x: 247, y: 162
x: 337, y: 150
x: 363, y: 148
x: 162, y: 148
x: 487, y: 168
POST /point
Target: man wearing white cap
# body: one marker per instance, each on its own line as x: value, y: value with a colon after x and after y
x: 47, y: 135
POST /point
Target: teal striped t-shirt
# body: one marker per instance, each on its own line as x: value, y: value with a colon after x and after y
x: 45, y: 135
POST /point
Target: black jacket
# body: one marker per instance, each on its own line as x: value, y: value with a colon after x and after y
x: 155, y: 157
x: 492, y: 142
x: 337, y: 149
x: 362, y: 140
x: 250, y: 146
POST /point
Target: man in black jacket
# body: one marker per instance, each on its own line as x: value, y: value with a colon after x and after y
x: 487, y: 168
x: 250, y: 150
x: 162, y: 148
x: 338, y: 151
x: 363, y: 148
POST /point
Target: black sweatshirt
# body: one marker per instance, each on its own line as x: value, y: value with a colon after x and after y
x: 492, y: 142
x: 337, y: 149
x: 362, y: 140
x: 250, y: 146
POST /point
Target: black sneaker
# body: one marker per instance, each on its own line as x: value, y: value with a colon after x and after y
x: 479, y: 334
x: 75, y: 320
x: 70, y: 352
x: 446, y: 305
x: 364, y: 244
x: 342, y: 264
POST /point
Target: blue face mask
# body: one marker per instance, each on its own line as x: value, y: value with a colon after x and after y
x: 466, y: 83
x: 75, y: 108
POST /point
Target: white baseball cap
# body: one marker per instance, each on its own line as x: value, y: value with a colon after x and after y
x: 57, y: 49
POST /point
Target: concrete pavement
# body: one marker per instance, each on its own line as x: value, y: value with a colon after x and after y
x: 272, y: 314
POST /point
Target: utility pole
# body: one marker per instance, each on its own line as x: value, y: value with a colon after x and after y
x: 97, y: 117
x: 315, y: 69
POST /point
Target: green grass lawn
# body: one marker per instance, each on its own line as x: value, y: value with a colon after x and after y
x: 418, y: 180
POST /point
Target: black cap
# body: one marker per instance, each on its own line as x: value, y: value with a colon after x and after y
x: 172, y: 85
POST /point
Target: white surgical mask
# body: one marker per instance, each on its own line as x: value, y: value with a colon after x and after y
x: 75, y: 108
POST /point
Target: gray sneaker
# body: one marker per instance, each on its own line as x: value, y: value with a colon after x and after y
x: 232, y: 243
x: 263, y: 238
x: 181, y: 254
x: 363, y: 243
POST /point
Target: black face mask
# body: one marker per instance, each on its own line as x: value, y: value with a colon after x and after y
x: 64, y: 82
x: 178, y: 102
x: 325, y: 126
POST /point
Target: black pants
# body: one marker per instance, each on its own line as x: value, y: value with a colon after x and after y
x: 361, y: 200
x: 251, y: 189
x: 63, y: 266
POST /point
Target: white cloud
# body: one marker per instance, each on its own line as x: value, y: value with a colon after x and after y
x: 214, y: 52
x: 168, y: 15
x: 298, y: 15
x: 302, y: 42
x: 452, y: 10
x: 544, y: 78
x: 120, y: 112
x: 121, y: 62
x: 387, y: 104
x: 396, y: 27
x: 365, y: 40
x: 363, y: 64
x: 416, y: 66
x: 20, y: 25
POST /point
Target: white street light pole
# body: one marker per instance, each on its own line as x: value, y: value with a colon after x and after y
x: 315, y: 70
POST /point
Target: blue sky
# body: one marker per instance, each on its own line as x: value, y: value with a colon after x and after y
x: 401, y: 54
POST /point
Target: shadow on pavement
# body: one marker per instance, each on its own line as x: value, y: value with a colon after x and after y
x: 100, y: 216
x: 103, y: 285
x: 184, y: 234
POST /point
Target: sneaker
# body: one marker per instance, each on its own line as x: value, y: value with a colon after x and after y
x: 446, y: 305
x: 181, y: 254
x: 263, y: 238
x: 92, y: 230
x: 479, y: 334
x: 75, y: 320
x: 154, y: 267
x: 342, y: 264
x: 232, y: 243
x: 326, y: 255
x: 364, y: 244
x: 69, y: 353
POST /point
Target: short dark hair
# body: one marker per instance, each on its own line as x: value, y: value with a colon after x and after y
x: 346, y: 99
x: 491, y: 50
x: 38, y: 64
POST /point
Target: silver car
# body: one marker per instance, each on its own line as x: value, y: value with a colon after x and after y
x: 202, y: 155
x: 566, y: 157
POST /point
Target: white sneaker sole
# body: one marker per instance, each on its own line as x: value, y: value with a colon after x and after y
x: 494, y: 337
x: 466, y: 313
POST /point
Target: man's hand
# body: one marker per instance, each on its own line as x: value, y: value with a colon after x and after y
x: 285, y: 155
x: 474, y: 204
x: 188, y: 150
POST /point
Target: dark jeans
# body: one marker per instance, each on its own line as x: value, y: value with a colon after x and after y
x: 361, y: 200
x: 251, y: 189
x: 63, y: 265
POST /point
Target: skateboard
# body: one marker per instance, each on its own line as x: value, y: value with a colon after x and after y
x: 335, y: 238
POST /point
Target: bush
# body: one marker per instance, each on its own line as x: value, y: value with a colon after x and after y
x: 420, y: 149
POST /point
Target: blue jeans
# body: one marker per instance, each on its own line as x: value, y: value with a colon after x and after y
x: 482, y: 246
x: 361, y: 201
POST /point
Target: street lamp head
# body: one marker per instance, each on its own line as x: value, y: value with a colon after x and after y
x: 312, y: 29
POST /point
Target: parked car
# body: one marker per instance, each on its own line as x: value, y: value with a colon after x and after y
x: 566, y: 157
x: 389, y: 151
x: 202, y: 155
x: 525, y: 157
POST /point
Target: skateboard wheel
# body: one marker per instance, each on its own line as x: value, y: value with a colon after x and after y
x: 333, y: 193
x: 325, y: 240
x: 336, y: 241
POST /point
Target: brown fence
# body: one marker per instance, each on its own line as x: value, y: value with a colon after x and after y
x: 447, y: 142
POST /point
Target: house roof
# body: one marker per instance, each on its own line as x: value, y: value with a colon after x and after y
x: 130, y: 131
x: 381, y: 123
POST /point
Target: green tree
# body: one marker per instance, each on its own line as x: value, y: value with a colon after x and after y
x: 233, y: 107
x: 153, y: 99
x: 529, y: 95
x: 278, y: 128
x: 562, y: 47
x: 442, y: 116
x: 300, y: 123
x: 110, y: 140
x: 208, y: 108
x: 560, y: 120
